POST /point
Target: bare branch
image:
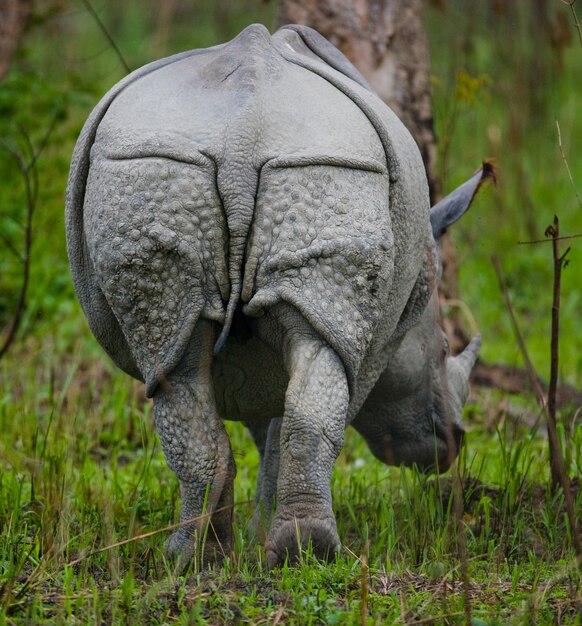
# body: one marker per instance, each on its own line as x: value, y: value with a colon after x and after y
x: 553, y: 232
x: 107, y: 34
x: 29, y: 173
x: 558, y: 469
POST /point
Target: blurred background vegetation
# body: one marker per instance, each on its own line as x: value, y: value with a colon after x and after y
x: 503, y: 74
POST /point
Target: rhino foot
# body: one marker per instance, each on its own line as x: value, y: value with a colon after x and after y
x: 288, y: 539
x: 182, y: 545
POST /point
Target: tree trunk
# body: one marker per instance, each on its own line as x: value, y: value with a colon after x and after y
x: 386, y: 41
x: 14, y: 16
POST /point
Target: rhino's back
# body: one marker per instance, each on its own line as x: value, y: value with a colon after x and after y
x: 241, y: 105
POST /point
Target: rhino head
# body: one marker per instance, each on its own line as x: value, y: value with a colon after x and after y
x: 413, y: 414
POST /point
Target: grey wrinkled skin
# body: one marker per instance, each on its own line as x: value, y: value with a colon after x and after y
x: 249, y: 233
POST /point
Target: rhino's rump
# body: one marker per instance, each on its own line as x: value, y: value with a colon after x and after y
x: 156, y: 236
x: 192, y: 164
x: 321, y: 241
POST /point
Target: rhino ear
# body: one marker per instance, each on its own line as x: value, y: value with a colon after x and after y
x: 448, y: 210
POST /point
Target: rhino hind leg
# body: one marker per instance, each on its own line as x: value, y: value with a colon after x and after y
x: 312, y: 434
x: 197, y: 449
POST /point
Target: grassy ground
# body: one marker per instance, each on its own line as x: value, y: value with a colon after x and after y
x: 81, y: 471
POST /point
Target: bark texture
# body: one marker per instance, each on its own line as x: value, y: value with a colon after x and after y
x: 14, y: 16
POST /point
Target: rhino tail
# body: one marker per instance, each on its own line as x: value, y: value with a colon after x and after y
x: 233, y: 300
x: 239, y: 208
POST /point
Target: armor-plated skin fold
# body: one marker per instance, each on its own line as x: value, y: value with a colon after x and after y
x: 248, y: 230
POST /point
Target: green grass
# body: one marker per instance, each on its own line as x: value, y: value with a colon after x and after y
x: 82, y: 471
x: 85, y: 494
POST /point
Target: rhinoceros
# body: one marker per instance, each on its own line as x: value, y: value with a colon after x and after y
x: 250, y: 235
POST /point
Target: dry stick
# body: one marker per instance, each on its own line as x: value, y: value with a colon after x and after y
x: 558, y: 469
x: 112, y: 546
x: 555, y: 457
x: 155, y: 532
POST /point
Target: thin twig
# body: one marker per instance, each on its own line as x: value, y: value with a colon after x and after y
x: 112, y: 546
x: 535, y: 381
x: 563, y: 238
x: 107, y: 34
x: 571, y: 4
x: 566, y: 164
x: 43, y: 142
x: 175, y: 526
